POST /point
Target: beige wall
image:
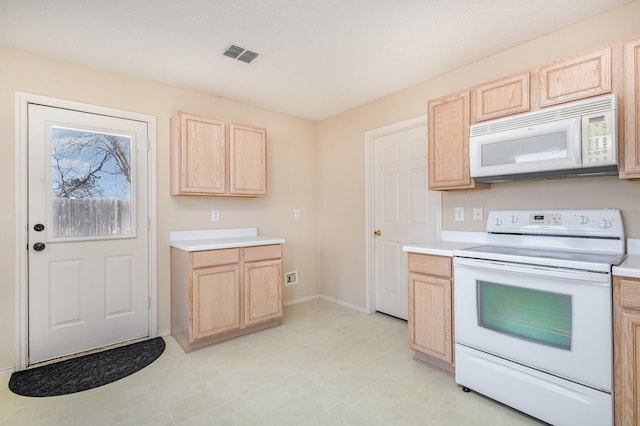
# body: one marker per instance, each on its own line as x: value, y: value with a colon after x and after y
x: 316, y: 167
x: 341, y: 149
x: 292, y: 171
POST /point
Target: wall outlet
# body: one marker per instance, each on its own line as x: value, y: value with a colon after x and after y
x: 215, y: 215
x: 478, y: 214
x: 296, y: 214
x: 290, y: 278
x: 459, y: 214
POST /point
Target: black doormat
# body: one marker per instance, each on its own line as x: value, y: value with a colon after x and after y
x: 87, y: 371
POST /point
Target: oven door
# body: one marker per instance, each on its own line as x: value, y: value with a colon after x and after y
x: 553, y: 320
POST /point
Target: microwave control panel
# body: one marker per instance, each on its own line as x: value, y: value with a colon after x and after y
x: 599, y: 139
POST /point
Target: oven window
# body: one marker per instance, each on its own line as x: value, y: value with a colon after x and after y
x: 533, y: 315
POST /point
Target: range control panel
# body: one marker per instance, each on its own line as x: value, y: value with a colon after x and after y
x: 545, y: 219
x: 583, y: 222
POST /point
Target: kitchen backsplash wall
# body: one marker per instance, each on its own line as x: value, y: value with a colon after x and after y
x: 603, y: 192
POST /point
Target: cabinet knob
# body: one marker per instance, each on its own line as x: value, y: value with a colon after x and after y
x: 377, y: 233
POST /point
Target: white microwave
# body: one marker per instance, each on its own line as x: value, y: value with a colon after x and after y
x: 575, y: 139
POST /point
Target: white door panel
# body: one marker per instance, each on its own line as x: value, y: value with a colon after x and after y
x: 404, y: 212
x: 88, y: 285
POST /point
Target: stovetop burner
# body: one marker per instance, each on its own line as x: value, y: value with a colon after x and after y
x: 590, y: 239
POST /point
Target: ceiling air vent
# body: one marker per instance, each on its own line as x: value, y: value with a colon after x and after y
x: 240, y: 53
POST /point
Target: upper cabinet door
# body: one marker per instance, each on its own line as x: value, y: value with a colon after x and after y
x: 213, y: 157
x: 500, y: 98
x: 198, y: 154
x: 577, y: 78
x: 631, y: 168
x: 448, y: 143
x: 248, y: 160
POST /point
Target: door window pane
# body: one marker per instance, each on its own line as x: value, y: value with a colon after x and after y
x: 538, y: 316
x: 90, y: 183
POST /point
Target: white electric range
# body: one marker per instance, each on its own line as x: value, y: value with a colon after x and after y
x: 533, y: 319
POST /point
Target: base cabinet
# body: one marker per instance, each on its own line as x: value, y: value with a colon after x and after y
x: 626, y: 350
x: 220, y: 294
x: 215, y: 301
x: 430, y: 321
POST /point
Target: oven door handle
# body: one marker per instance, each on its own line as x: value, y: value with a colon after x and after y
x: 596, y: 278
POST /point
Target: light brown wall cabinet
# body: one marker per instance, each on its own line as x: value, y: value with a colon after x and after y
x: 448, y: 143
x: 631, y: 168
x: 220, y: 294
x: 213, y: 157
x: 576, y: 78
x: 430, y: 321
x: 583, y: 76
x: 626, y: 344
x: 500, y: 98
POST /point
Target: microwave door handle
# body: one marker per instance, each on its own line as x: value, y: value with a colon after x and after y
x: 575, y: 139
x: 584, y: 276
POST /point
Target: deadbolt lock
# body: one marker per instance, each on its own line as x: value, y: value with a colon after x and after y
x: 377, y: 233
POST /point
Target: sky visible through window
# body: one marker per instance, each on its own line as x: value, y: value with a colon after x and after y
x: 90, y: 165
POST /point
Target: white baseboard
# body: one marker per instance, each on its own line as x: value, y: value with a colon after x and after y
x: 6, y: 371
x: 328, y: 299
x: 301, y: 300
x: 164, y: 333
x: 345, y: 304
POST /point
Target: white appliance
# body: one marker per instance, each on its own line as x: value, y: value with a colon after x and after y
x: 575, y: 139
x: 533, y: 319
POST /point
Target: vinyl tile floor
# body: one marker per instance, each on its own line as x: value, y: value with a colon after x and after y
x: 325, y: 365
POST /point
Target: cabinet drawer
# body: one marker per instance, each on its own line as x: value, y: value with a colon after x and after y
x: 630, y: 293
x: 429, y: 264
x: 200, y: 259
x: 262, y: 253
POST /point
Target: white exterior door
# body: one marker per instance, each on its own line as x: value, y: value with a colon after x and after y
x: 88, y: 237
x: 405, y: 212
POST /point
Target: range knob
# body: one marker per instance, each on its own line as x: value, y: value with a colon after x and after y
x: 513, y: 218
x: 605, y: 223
x: 582, y: 219
x: 497, y: 221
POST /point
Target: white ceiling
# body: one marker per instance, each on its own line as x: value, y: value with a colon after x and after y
x: 317, y: 57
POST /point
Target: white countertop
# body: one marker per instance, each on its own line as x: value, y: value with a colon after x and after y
x: 214, y: 239
x: 630, y: 267
x: 451, y: 240
x: 438, y: 248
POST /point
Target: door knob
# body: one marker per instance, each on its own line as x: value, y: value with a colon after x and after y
x: 377, y: 233
x: 39, y: 246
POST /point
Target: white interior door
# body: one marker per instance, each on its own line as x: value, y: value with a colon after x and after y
x: 405, y: 211
x: 88, y: 252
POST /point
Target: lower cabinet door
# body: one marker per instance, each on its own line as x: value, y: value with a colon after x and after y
x: 430, y: 316
x: 215, y: 299
x: 262, y: 291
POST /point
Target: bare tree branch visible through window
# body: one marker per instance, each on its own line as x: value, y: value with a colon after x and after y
x: 90, y: 165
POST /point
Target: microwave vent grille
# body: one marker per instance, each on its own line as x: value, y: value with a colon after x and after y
x: 576, y: 109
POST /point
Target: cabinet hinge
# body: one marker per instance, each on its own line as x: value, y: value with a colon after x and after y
x: 148, y: 224
x: 149, y: 303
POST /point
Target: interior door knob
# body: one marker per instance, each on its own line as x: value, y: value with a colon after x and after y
x: 39, y: 246
x: 377, y: 233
